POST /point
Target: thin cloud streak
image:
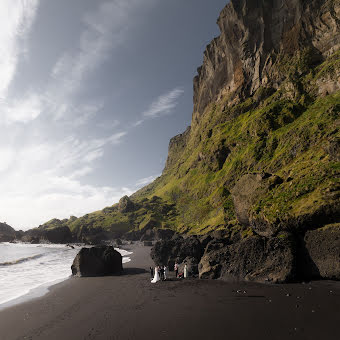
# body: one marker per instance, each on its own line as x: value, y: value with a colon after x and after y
x: 163, y: 105
x: 145, y: 181
x: 16, y: 18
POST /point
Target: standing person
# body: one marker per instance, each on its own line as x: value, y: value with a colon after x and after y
x: 165, y: 269
x: 162, y: 273
x: 185, y: 271
x: 151, y: 272
x: 156, y: 277
x: 176, y: 269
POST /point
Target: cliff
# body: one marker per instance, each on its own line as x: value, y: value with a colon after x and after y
x: 256, y: 38
x: 260, y: 162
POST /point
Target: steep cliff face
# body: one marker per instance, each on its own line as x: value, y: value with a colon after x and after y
x: 256, y: 36
x: 265, y: 100
x: 260, y: 162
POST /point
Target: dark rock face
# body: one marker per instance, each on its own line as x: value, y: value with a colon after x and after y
x: 254, y: 36
x: 167, y: 252
x: 7, y: 233
x: 176, y: 147
x: 125, y: 205
x: 163, y: 234
x: 253, y: 259
x: 323, y: 248
x: 97, y: 261
x: 60, y: 234
x: 192, y: 266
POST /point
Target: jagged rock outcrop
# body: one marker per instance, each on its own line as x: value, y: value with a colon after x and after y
x: 176, y: 147
x: 97, y: 261
x: 125, y: 205
x: 255, y: 36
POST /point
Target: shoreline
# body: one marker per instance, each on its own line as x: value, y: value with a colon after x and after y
x: 44, y: 288
x: 130, y: 307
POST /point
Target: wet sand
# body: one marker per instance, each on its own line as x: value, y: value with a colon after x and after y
x: 130, y: 307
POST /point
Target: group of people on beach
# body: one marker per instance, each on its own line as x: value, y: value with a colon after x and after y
x: 159, y: 273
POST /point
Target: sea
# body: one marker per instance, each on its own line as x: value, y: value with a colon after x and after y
x: 27, y: 270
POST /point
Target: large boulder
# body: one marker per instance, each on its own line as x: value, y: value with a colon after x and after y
x: 97, y: 261
x: 323, y: 252
x: 253, y: 259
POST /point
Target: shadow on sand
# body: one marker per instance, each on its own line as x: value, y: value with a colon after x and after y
x: 134, y: 271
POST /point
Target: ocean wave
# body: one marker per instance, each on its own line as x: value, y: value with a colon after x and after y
x: 24, y: 259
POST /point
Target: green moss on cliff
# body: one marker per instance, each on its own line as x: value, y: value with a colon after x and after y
x: 283, y: 132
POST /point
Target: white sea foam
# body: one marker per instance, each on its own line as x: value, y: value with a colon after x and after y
x: 26, y: 267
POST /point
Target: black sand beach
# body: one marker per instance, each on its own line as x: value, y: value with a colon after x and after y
x: 130, y: 307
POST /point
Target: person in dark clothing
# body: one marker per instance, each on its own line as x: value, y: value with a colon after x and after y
x: 176, y: 269
x: 162, y: 273
x: 151, y: 272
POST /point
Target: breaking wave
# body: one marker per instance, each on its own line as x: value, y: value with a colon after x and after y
x: 24, y: 259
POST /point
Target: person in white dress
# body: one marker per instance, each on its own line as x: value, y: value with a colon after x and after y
x: 185, y: 271
x: 156, y: 277
x: 165, y: 269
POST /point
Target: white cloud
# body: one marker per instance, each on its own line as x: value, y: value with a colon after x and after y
x: 44, y: 181
x: 23, y: 110
x: 105, y: 29
x: 144, y: 181
x: 164, y: 104
x: 43, y: 169
x: 16, y: 19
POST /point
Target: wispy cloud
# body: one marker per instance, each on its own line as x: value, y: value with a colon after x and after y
x: 16, y: 19
x: 105, y: 29
x: 45, y: 180
x: 21, y: 110
x: 163, y: 105
x: 45, y: 160
x: 147, y: 180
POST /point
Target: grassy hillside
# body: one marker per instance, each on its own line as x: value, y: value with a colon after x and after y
x: 291, y: 132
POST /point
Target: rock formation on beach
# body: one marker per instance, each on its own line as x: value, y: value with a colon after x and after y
x: 97, y: 261
x: 256, y: 175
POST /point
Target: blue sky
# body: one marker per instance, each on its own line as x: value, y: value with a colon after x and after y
x: 90, y: 94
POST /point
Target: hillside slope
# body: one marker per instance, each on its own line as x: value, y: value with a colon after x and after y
x: 260, y: 160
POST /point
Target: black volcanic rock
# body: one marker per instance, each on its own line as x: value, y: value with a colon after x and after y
x: 253, y: 259
x: 323, y: 252
x: 60, y: 234
x: 7, y: 233
x: 177, y: 249
x: 97, y: 261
